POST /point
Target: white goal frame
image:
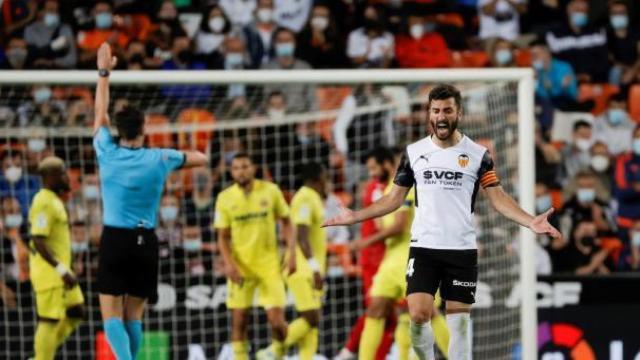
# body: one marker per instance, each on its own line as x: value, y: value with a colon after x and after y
x: 526, y: 161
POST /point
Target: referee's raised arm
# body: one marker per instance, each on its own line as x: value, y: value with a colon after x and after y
x: 106, y: 63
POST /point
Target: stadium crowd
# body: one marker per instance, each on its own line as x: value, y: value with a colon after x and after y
x: 584, y: 53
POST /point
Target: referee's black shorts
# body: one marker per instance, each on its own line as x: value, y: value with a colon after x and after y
x: 128, y: 263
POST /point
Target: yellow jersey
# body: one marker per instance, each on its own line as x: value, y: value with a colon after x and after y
x: 307, y: 208
x: 48, y: 218
x: 252, y: 221
x: 397, y: 247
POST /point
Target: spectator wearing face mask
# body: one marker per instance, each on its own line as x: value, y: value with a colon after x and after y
x: 17, y: 55
x: 500, y: 18
x: 137, y: 59
x: 600, y: 169
x: 240, y: 12
x: 198, y: 206
x: 259, y: 33
x: 588, y: 220
x: 43, y: 110
x: 320, y: 43
x: 53, y: 41
x: 14, y: 182
x: 627, y: 190
x: 371, y: 46
x: 214, y: 26
x: 614, y: 126
x: 12, y: 238
x: 581, y: 44
x: 502, y: 54
x: 420, y: 46
x: 576, y: 155
x: 105, y: 30
x: 300, y: 97
x: 183, y: 58
x: 169, y: 229
x: 623, y: 38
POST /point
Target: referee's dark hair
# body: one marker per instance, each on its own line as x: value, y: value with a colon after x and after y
x: 129, y: 122
x: 381, y: 155
x: 311, y: 171
x: 443, y: 92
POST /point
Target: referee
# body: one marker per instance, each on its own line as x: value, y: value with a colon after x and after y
x: 132, y: 179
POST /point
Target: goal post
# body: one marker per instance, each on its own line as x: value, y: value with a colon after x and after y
x: 515, y: 82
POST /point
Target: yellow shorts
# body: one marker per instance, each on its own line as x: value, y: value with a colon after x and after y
x: 271, y: 292
x: 305, y: 296
x: 389, y: 282
x: 53, y: 303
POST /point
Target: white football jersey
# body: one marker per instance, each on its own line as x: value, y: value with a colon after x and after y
x: 446, y: 184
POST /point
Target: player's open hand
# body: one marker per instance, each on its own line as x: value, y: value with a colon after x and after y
x: 69, y: 280
x: 232, y: 273
x: 346, y: 217
x: 540, y: 225
x: 105, y: 59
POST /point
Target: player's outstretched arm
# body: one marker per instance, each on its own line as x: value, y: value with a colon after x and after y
x: 386, y: 204
x: 504, y: 204
x: 105, y: 62
x: 194, y: 159
x: 399, y: 225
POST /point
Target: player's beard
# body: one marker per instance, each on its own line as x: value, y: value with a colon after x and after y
x: 452, y: 126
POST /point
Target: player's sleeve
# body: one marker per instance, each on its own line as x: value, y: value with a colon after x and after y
x: 280, y: 204
x: 301, y: 212
x: 487, y: 173
x: 221, y: 220
x: 40, y: 219
x: 172, y: 159
x: 404, y: 175
x: 409, y: 202
x: 103, y: 141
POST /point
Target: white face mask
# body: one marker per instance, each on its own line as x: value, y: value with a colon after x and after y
x: 264, y: 15
x: 635, y: 238
x: 90, y: 192
x: 13, y: 221
x: 319, y: 22
x: 36, y: 145
x: 275, y: 114
x: 13, y: 174
x: 586, y: 195
x: 599, y: 163
x: 168, y: 213
x: 216, y: 24
x: 584, y: 144
x: 192, y: 244
x: 79, y: 247
x: 543, y: 203
x: 416, y: 31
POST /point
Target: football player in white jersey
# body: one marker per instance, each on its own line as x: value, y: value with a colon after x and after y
x: 446, y: 170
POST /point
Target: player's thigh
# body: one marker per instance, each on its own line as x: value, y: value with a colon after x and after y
x: 424, y: 272
x: 461, y: 276
x: 50, y: 303
x: 389, y: 283
x: 271, y: 291
x: 305, y: 296
x: 240, y: 296
x: 134, y: 307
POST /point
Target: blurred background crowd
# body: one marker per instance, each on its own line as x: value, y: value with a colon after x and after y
x: 584, y: 54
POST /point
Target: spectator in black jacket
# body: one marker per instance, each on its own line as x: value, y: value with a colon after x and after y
x: 319, y: 42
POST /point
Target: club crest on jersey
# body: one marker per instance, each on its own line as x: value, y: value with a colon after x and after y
x: 463, y: 160
x: 264, y: 203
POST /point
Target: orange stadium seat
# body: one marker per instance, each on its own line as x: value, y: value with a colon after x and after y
x: 140, y: 26
x: 557, y: 199
x: 599, y: 93
x: 634, y: 102
x: 329, y: 98
x: 158, y: 122
x: 199, y: 139
x: 523, y: 57
x: 469, y: 59
x: 454, y: 19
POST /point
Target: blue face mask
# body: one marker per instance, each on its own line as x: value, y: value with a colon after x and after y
x: 579, y: 19
x: 104, y: 20
x: 90, y: 192
x: 192, y: 244
x: 636, y: 146
x: 233, y: 60
x: 503, y: 56
x: 77, y: 247
x: 586, y: 195
x: 285, y: 49
x: 543, y: 203
x: 538, y: 65
x: 619, y: 22
x: 635, y: 238
x: 51, y: 19
x: 616, y: 116
x: 42, y: 95
x: 169, y: 213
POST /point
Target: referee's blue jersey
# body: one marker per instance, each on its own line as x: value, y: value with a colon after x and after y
x: 132, y: 180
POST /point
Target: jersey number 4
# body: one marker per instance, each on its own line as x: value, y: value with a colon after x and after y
x: 410, y: 269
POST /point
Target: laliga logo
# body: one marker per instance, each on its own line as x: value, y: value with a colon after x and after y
x: 563, y: 341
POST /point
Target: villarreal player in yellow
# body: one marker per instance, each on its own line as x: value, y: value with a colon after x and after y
x: 59, y: 300
x: 245, y: 219
x: 307, y: 216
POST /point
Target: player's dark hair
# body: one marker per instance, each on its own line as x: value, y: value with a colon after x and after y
x: 443, y: 92
x: 381, y: 155
x: 581, y: 124
x: 129, y: 122
x: 242, y: 155
x: 311, y: 171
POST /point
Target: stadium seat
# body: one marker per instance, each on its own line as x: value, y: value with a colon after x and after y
x: 523, y: 57
x: 141, y: 26
x: 454, y: 19
x: 469, y: 59
x: 599, y: 93
x: 164, y: 138
x: 329, y: 98
x: 634, y: 102
x: 198, y: 140
x: 557, y: 199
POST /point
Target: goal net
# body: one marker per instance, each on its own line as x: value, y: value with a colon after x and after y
x: 282, y: 119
